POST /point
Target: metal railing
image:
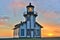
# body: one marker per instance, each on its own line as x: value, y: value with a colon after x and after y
x: 33, y: 12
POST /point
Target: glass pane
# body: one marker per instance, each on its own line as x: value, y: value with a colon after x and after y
x: 28, y: 32
x: 22, y: 32
x: 38, y: 32
x: 30, y: 9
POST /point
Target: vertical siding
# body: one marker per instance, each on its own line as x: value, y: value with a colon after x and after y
x: 32, y: 21
x: 28, y: 24
x: 22, y: 27
x: 40, y: 32
x: 32, y: 34
x: 16, y: 32
x: 20, y: 30
x: 37, y: 28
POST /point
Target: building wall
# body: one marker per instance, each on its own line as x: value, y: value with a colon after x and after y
x: 22, y: 27
x: 32, y: 21
x: 16, y: 32
x: 28, y: 24
x: 37, y: 30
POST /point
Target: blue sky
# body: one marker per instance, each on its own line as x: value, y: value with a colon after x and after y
x: 11, y: 13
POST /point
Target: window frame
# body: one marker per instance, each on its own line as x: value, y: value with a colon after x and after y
x: 22, y: 32
x: 28, y: 32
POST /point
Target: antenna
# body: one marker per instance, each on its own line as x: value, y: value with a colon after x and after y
x: 29, y: 3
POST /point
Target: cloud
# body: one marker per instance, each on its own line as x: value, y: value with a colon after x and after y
x: 2, y: 23
x: 17, y: 5
x: 4, y: 20
x: 50, y: 14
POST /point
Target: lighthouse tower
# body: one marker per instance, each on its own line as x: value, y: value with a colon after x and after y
x: 30, y: 18
x: 30, y: 28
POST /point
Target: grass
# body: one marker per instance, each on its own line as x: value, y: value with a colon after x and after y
x: 55, y: 38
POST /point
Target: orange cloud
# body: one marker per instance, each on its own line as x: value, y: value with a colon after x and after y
x: 2, y: 23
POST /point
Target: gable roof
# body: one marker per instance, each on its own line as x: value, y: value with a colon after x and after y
x: 39, y: 25
x: 18, y: 25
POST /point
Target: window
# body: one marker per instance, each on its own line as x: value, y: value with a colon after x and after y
x: 38, y: 32
x: 28, y: 32
x: 30, y: 9
x: 28, y: 17
x: 22, y: 32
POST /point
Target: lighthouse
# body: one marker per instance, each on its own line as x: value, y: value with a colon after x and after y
x: 29, y: 28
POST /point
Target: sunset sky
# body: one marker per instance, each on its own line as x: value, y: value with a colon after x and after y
x: 11, y: 13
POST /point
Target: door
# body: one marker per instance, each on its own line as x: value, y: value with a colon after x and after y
x: 31, y: 33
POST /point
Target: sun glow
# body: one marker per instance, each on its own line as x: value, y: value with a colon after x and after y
x: 50, y: 34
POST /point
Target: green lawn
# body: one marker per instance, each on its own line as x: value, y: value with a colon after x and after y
x: 56, y: 38
x: 20, y: 39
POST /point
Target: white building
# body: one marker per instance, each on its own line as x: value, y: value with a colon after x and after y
x: 30, y: 28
